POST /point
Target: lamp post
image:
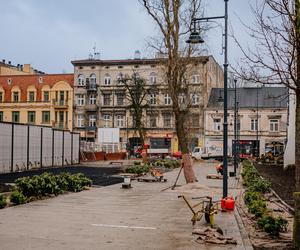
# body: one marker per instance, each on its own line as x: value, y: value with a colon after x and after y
x: 196, y: 38
x: 257, y: 146
x: 235, y: 130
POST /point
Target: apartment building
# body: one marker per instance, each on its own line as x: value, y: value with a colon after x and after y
x: 37, y: 99
x: 262, y: 119
x: 100, y: 99
x: 7, y: 68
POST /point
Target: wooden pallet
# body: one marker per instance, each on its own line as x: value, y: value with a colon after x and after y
x: 214, y: 176
x: 150, y: 179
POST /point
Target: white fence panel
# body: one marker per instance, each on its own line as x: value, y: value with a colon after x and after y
x: 20, y: 148
x: 76, y: 139
x: 67, y: 148
x: 47, y: 147
x: 57, y: 147
x: 5, y: 147
x: 34, y: 147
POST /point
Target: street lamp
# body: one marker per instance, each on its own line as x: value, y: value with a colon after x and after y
x: 194, y: 39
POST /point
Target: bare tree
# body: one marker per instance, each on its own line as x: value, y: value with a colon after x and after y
x: 276, y: 60
x: 173, y: 18
x: 136, y: 94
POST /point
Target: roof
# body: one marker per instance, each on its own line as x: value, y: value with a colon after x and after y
x: 128, y: 61
x: 265, y: 97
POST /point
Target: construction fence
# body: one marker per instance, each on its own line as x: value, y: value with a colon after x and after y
x: 25, y: 147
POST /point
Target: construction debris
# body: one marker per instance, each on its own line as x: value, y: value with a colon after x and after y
x: 214, y: 176
x: 213, y: 236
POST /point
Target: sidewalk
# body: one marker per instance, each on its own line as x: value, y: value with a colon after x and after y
x: 113, y: 218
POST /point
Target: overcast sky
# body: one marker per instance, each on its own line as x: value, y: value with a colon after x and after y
x: 50, y: 33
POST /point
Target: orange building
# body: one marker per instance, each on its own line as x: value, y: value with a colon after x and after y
x: 37, y: 99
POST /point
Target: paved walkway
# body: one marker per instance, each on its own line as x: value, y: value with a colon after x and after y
x: 113, y: 218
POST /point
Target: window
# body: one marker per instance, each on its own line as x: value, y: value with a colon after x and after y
x: 15, y: 116
x: 195, y: 99
x: 1, y: 97
x: 254, y: 125
x: 93, y: 99
x: 107, y: 79
x: 46, y: 117
x: 15, y: 96
x: 120, y: 99
x: 274, y: 125
x: 217, y: 124
x: 93, y: 79
x: 195, y: 78
x: 106, y: 119
x: 46, y: 96
x: 153, y: 78
x: 106, y: 99
x: 120, y: 121
x: 31, y: 96
x: 31, y: 116
x: 92, y: 120
x: 181, y: 98
x: 152, y: 99
x: 152, y: 121
x: 1, y: 116
x: 80, y: 120
x: 9, y: 81
x: 80, y: 80
x: 40, y: 79
x: 167, y: 121
x: 195, y: 120
x: 80, y: 100
x: 167, y: 99
x: 119, y: 78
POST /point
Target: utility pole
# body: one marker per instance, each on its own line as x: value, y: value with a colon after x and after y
x: 257, y: 143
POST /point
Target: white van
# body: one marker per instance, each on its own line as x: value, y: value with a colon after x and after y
x: 207, y: 153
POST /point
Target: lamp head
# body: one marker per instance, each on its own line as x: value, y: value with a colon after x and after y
x: 195, y: 38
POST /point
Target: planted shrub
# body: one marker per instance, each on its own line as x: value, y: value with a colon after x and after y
x: 272, y: 225
x: 251, y: 196
x: 3, y: 201
x: 17, y: 197
x: 257, y: 207
x: 259, y: 185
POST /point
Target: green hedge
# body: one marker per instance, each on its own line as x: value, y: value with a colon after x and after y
x: 254, y: 199
x: 3, y: 201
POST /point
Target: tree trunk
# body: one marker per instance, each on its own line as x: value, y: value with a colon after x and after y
x: 183, y: 144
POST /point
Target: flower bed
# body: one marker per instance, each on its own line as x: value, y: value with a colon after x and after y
x: 47, y: 184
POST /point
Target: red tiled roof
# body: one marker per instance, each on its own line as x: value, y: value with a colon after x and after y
x: 24, y: 81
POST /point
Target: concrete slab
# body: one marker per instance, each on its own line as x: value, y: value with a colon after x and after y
x: 142, y: 217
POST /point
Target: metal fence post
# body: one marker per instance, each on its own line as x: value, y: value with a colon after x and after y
x: 41, y: 150
x: 28, y: 135
x: 12, y: 148
x: 52, y: 147
x: 63, y: 148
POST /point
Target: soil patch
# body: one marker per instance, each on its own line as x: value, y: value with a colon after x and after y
x: 101, y: 176
x: 283, y: 181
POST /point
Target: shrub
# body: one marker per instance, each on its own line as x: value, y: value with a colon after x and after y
x: 272, y: 225
x: 257, y: 207
x: 251, y: 196
x: 138, y: 169
x: 2, y: 201
x: 17, y: 197
x: 259, y: 185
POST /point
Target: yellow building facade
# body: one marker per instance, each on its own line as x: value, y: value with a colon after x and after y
x: 37, y: 99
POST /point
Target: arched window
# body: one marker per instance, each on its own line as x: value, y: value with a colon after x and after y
x: 119, y: 78
x: 153, y: 78
x: 93, y: 79
x: 107, y: 79
x: 80, y: 80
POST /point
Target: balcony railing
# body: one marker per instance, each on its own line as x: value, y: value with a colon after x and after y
x: 91, y: 87
x: 91, y: 107
x: 60, y: 125
x: 60, y: 103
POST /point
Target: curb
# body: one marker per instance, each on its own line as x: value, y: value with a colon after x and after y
x: 244, y: 235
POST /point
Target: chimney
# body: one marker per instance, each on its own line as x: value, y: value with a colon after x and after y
x: 26, y: 68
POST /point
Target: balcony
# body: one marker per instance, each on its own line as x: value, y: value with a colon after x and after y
x: 60, y: 125
x: 60, y: 103
x: 92, y: 87
x: 91, y: 107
